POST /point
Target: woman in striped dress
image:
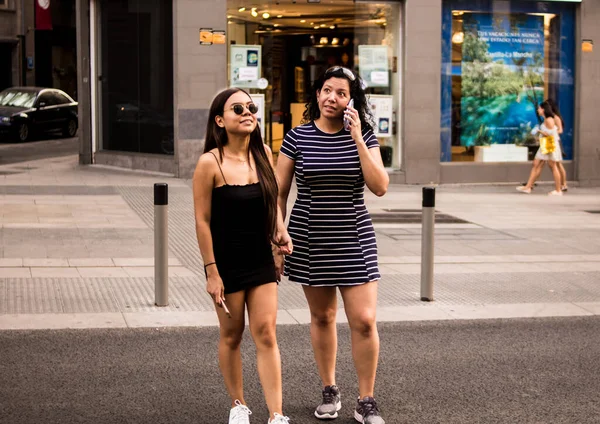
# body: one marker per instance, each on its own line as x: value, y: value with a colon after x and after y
x: 334, y: 240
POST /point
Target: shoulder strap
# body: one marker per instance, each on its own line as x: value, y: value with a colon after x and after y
x: 219, y: 165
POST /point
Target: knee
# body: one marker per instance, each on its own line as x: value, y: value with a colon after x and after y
x: 364, y: 324
x: 232, y: 338
x: 323, y: 318
x: 264, y: 334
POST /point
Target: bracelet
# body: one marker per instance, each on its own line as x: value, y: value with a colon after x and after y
x: 207, y: 265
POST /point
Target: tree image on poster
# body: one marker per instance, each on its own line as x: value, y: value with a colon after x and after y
x: 502, y: 78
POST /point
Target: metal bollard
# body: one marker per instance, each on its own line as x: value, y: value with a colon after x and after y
x: 161, y: 244
x: 427, y: 233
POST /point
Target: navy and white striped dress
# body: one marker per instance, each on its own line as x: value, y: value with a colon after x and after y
x: 334, y: 240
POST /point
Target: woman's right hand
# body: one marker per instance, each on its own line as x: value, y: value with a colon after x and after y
x: 215, y: 287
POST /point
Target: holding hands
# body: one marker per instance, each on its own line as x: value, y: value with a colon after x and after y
x: 285, y: 247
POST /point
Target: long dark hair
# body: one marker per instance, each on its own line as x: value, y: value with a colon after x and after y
x: 548, y: 112
x: 216, y: 137
x: 357, y: 93
x: 554, y: 107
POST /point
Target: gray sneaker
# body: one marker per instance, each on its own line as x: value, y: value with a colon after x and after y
x: 328, y: 409
x: 367, y: 411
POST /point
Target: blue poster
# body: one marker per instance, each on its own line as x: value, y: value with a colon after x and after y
x: 502, y: 78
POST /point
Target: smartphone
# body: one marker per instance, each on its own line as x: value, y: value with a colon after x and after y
x: 346, y: 121
x: 225, y: 307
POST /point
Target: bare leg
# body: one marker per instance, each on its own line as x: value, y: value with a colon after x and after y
x: 262, y: 314
x: 360, y: 304
x: 322, y: 302
x: 555, y: 174
x: 563, y: 175
x: 536, y: 170
x: 230, y: 358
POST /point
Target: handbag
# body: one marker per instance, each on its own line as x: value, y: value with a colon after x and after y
x: 547, y: 144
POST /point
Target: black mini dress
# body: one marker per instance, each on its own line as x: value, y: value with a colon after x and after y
x: 241, y: 246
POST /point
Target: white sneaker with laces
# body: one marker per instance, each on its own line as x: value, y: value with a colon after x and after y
x: 239, y: 414
x: 278, y: 419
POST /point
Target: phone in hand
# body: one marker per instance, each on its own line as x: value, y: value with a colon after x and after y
x: 346, y: 121
x: 225, y: 307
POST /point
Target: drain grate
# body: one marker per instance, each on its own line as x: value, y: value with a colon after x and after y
x: 413, y: 216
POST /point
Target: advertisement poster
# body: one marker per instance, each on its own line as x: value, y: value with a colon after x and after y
x: 259, y: 100
x: 373, y: 65
x: 502, y: 78
x: 382, y: 109
x: 245, y: 65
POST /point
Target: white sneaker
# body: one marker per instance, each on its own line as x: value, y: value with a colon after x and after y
x: 279, y: 419
x: 239, y: 414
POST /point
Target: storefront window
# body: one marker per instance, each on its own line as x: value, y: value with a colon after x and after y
x: 501, y: 59
x: 278, y: 48
x: 135, y: 86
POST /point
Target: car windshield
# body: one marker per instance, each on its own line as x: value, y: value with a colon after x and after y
x: 17, y: 98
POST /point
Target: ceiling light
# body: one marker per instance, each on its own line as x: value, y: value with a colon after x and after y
x: 317, y: 27
x: 242, y: 9
x: 332, y: 27
x: 266, y: 15
x: 323, y: 25
x: 254, y: 12
x: 323, y: 40
x: 335, y: 41
x: 302, y: 21
x: 280, y: 16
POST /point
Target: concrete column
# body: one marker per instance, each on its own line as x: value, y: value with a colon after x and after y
x: 587, y: 150
x: 422, y: 90
x: 82, y: 13
x: 199, y: 73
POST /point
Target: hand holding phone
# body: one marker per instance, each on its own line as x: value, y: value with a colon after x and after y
x: 346, y: 120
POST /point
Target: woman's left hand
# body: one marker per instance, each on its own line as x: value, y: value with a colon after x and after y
x: 355, y: 126
x: 285, y: 242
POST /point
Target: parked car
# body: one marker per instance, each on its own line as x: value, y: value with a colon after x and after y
x: 25, y: 111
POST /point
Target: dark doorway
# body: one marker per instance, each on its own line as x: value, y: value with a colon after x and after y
x: 136, y: 76
x: 6, y: 68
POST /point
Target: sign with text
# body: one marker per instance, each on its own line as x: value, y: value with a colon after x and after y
x: 245, y: 65
x: 382, y: 110
x: 259, y: 100
x: 374, y: 65
x: 502, y: 82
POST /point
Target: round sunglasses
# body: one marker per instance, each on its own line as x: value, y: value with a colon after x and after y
x: 238, y: 108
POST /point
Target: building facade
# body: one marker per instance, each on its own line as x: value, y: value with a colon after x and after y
x: 454, y: 84
x: 38, y: 45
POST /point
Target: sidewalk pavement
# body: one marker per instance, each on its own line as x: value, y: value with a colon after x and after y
x: 76, y: 251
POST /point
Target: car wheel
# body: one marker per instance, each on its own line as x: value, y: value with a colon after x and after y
x: 70, y: 129
x: 23, y: 132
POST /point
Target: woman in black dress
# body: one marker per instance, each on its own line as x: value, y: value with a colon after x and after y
x: 235, y: 202
x: 334, y: 240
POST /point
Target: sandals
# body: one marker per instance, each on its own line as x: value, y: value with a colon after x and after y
x: 564, y: 188
x: 555, y: 193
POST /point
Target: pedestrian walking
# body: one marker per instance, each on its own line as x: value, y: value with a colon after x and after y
x: 235, y: 203
x: 560, y: 127
x: 332, y: 155
x: 549, y: 151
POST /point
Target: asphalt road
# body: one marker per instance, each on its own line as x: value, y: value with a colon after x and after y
x: 12, y: 152
x: 497, y: 371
